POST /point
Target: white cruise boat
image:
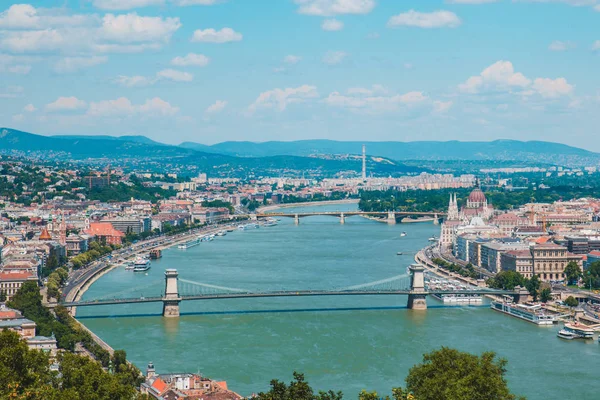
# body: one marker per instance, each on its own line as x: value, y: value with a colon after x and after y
x: 141, y: 261
x: 141, y: 268
x: 532, y: 313
x: 576, y: 331
x: 459, y: 298
x: 403, y: 234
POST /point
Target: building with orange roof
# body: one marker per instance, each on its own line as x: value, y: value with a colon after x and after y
x: 105, y: 232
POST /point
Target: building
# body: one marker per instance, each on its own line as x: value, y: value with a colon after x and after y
x: 11, y: 282
x: 547, y: 260
x: 130, y: 224
x: 105, y: 233
x: 184, y: 386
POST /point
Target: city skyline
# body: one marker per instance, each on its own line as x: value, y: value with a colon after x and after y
x: 210, y: 71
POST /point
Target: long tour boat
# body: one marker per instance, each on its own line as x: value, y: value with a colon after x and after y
x: 531, y: 313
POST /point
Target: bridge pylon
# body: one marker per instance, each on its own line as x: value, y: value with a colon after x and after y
x: 391, y: 218
x: 417, y: 295
x: 171, y: 298
x: 296, y: 219
x: 342, y: 218
x: 436, y: 219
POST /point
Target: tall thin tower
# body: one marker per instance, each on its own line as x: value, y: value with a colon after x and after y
x: 364, y: 162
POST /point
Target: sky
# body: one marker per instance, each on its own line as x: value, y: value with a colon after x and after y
x: 209, y: 71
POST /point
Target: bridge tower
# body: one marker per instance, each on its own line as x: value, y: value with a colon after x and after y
x: 391, y: 218
x: 296, y: 219
x: 436, y: 219
x: 342, y: 218
x: 171, y: 299
x: 416, y: 298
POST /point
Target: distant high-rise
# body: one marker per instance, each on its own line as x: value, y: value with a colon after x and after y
x: 364, y: 162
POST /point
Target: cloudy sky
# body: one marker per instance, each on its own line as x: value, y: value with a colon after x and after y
x: 216, y: 70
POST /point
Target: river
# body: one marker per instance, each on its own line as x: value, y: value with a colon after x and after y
x: 249, y: 342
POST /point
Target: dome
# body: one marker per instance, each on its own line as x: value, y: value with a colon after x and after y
x: 477, y: 221
x: 477, y: 196
x: 45, y: 235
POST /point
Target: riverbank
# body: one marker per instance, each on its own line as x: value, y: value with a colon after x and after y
x: 306, y: 204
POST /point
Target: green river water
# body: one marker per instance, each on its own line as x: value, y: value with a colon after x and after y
x: 249, y: 342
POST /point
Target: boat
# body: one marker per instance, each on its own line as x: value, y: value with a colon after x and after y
x: 241, y: 227
x: 433, y: 239
x: 141, y: 268
x: 399, y: 253
x: 403, y: 234
x: 579, y: 331
x: 459, y: 298
x: 530, y: 313
x: 566, y: 334
x: 182, y: 246
x: 141, y: 261
x: 129, y: 266
x: 221, y: 233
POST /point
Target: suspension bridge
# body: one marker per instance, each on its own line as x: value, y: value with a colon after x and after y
x: 391, y: 217
x: 177, y: 290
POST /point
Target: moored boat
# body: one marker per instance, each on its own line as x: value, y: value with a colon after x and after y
x: 577, y: 330
x: 532, y: 313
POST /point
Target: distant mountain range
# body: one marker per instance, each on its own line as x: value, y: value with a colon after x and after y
x: 282, y: 155
x: 142, y: 150
x: 434, y: 150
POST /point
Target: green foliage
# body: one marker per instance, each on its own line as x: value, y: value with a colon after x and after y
x: 298, y: 389
x: 592, y: 276
x: 468, y: 271
x: 2, y: 296
x: 545, y: 295
x: 533, y: 286
x: 572, y: 272
x: 25, y: 375
x: 449, y: 374
x: 95, y: 251
x: 219, y: 204
x: 506, y: 280
x: 571, y: 301
x: 122, y: 192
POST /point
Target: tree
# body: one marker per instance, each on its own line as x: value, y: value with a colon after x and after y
x: 571, y: 301
x: 533, y: 286
x: 449, y: 374
x: 592, y: 276
x: 545, y: 295
x: 572, y: 272
x: 2, y: 296
x: 506, y: 280
x: 298, y: 389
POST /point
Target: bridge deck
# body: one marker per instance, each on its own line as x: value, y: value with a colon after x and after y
x: 304, y: 293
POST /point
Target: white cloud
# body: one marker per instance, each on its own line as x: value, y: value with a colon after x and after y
x: 217, y: 107
x: 334, y: 57
x: 213, y: 36
x: 157, y: 106
x: 131, y: 28
x: 552, y: 88
x: 575, y: 3
x: 196, y: 2
x: 11, y: 92
x: 597, y: 8
x: 435, y: 19
x: 29, y: 108
x: 191, y: 59
x: 442, y: 106
x: 292, y: 59
x: 500, y: 75
x: 26, y: 16
x: 73, y: 64
x: 122, y: 107
x: 26, y: 29
x: 332, y: 25
x: 125, y: 4
x: 16, y: 69
x: 18, y: 117
x: 279, y: 99
x: 376, y: 99
x: 334, y: 7
x: 66, y: 104
x: 174, y: 75
x: 559, y: 45
x: 596, y: 45
x: 133, y: 81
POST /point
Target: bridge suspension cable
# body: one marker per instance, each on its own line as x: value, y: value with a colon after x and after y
x: 128, y: 290
x: 230, y: 289
x: 375, y: 283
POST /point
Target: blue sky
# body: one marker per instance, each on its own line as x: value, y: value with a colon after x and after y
x: 215, y: 70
